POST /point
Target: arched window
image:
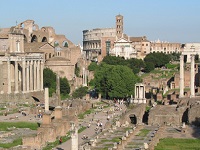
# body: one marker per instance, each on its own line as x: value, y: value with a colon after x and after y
x: 56, y: 43
x: 65, y: 44
x: 34, y: 39
x: 44, y: 39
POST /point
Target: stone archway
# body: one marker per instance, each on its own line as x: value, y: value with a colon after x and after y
x: 34, y: 39
x: 44, y: 39
x: 133, y: 118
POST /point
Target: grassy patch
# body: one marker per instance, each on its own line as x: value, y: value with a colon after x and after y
x: 178, y: 144
x: 172, y: 66
x: 14, y: 143
x: 143, y: 132
x: 81, y: 116
x: 81, y: 129
x: 115, y: 139
x: 2, y: 108
x: 5, y: 125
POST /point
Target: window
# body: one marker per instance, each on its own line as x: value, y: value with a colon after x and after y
x: 107, y: 47
x: 146, y: 44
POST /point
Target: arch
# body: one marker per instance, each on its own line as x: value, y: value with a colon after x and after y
x: 25, y: 39
x: 145, y: 117
x: 34, y: 39
x: 43, y: 29
x: 22, y: 25
x: 133, y: 118
x: 185, y: 116
x: 65, y: 44
x: 56, y: 43
x: 44, y: 39
x: 46, y: 56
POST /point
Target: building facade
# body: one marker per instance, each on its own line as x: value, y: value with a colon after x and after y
x: 123, y: 48
x: 98, y: 42
x: 25, y: 50
x: 165, y: 47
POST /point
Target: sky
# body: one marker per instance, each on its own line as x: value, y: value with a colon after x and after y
x: 167, y: 20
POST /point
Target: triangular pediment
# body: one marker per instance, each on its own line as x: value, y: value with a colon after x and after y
x: 122, y: 40
x: 46, y: 46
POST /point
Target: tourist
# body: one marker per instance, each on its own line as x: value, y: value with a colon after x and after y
x: 60, y: 140
x: 108, y: 118
x: 88, y: 125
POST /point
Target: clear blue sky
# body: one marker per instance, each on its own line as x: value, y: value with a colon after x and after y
x: 168, y: 20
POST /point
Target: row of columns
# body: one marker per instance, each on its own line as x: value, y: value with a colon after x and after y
x: 192, y: 76
x: 32, y: 75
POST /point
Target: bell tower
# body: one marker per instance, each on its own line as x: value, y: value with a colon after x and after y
x: 119, y: 26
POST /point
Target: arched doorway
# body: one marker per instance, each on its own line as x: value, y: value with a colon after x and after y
x: 185, y: 116
x: 145, y: 117
x: 34, y: 39
x: 133, y: 118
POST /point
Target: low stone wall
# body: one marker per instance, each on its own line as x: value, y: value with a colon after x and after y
x: 156, y: 138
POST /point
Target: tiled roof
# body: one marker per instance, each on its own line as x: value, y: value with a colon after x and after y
x: 139, y: 39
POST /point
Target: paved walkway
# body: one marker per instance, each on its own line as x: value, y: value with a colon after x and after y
x: 89, y: 132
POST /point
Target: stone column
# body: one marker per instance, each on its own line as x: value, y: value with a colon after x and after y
x: 46, y: 97
x: 31, y: 75
x: 46, y: 119
x: 83, y: 76
x: 58, y: 90
x: 16, y: 77
x: 23, y: 75
x: 192, y: 75
x: 38, y: 75
x: 27, y: 76
x: 181, y: 82
x: 34, y: 75
x: 141, y: 92
x: 58, y: 112
x: 9, y: 80
x: 41, y: 75
x: 144, y: 92
x: 74, y: 137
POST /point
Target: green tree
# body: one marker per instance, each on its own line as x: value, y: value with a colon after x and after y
x: 115, y: 81
x: 80, y: 92
x: 92, y: 66
x: 158, y: 59
x: 149, y: 67
x: 77, y: 71
x: 49, y: 80
x: 64, y: 86
x: 135, y: 64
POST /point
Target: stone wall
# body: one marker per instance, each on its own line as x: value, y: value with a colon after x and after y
x: 138, y: 110
x: 166, y: 115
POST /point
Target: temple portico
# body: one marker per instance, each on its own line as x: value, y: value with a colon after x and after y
x: 139, y: 93
x: 24, y: 73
